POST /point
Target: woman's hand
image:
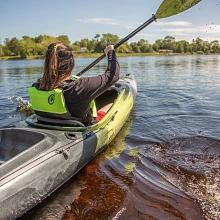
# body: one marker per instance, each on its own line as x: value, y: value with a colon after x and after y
x: 108, y: 48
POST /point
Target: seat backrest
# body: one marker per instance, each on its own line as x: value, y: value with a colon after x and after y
x: 59, y: 122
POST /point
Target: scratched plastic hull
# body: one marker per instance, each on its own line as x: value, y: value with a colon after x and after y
x: 37, y: 159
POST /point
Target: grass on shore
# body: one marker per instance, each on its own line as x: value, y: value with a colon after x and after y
x: 95, y: 55
x: 83, y: 55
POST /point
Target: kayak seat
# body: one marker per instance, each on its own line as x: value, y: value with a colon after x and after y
x: 59, y: 122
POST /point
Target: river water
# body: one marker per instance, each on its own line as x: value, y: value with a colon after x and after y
x: 164, y: 163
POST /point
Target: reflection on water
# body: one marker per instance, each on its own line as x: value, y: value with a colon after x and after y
x: 164, y: 163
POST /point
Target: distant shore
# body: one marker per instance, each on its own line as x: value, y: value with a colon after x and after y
x: 96, y: 55
x: 82, y: 55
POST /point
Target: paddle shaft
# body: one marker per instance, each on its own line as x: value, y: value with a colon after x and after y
x: 153, y: 18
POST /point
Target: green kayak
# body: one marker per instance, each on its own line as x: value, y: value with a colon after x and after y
x: 39, y: 154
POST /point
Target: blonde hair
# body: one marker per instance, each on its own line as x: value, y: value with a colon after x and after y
x: 59, y: 63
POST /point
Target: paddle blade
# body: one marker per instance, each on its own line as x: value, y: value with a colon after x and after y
x: 172, y: 7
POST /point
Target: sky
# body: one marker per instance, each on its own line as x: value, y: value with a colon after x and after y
x: 85, y: 18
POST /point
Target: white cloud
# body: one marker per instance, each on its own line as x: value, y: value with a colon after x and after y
x: 174, y: 28
x: 211, y: 38
x: 129, y: 27
x: 183, y: 28
x: 200, y: 30
x: 210, y: 29
x: 146, y: 35
x: 175, y: 23
x: 179, y: 31
x: 109, y: 21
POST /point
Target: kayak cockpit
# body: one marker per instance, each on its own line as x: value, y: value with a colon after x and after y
x: 17, y: 146
x: 105, y: 98
x: 15, y: 141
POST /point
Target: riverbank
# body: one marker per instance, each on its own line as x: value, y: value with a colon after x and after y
x: 96, y: 55
x: 79, y: 55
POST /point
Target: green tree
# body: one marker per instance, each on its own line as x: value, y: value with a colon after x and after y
x: 98, y: 47
x: 169, y: 39
x: 133, y: 45
x: 108, y: 39
x: 136, y: 48
x: 124, y: 48
x: 64, y: 39
x: 186, y: 46
x: 206, y: 47
x: 1, y: 51
x: 168, y: 42
x: 141, y: 42
x: 193, y: 46
x: 199, y: 44
x: 214, y: 46
x: 150, y: 48
x: 76, y: 43
x: 26, y: 37
x: 6, y: 50
x: 39, y: 39
x: 180, y: 48
x: 75, y: 47
x: 159, y: 43
x: 40, y: 49
x: 84, y: 42
x: 91, y: 45
x: 13, y: 46
x: 143, y: 45
x: 26, y: 47
x: 156, y: 47
x: 47, y: 40
x: 97, y: 36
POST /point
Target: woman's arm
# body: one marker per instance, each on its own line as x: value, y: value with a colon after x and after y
x: 91, y: 87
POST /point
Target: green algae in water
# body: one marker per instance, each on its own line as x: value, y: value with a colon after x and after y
x: 133, y: 152
x: 115, y: 151
x: 129, y: 167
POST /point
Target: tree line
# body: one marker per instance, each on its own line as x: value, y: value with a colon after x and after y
x: 37, y: 46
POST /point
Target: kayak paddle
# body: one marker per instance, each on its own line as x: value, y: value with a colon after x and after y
x: 167, y: 8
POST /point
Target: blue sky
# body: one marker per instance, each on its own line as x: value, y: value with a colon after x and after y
x: 86, y: 18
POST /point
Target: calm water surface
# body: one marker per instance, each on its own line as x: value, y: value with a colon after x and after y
x: 164, y: 163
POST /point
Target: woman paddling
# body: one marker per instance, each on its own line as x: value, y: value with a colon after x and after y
x: 67, y: 97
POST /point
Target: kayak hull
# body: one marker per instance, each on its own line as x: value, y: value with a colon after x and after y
x: 47, y: 155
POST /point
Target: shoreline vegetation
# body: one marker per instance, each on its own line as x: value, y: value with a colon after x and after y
x: 29, y: 48
x: 96, y: 55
